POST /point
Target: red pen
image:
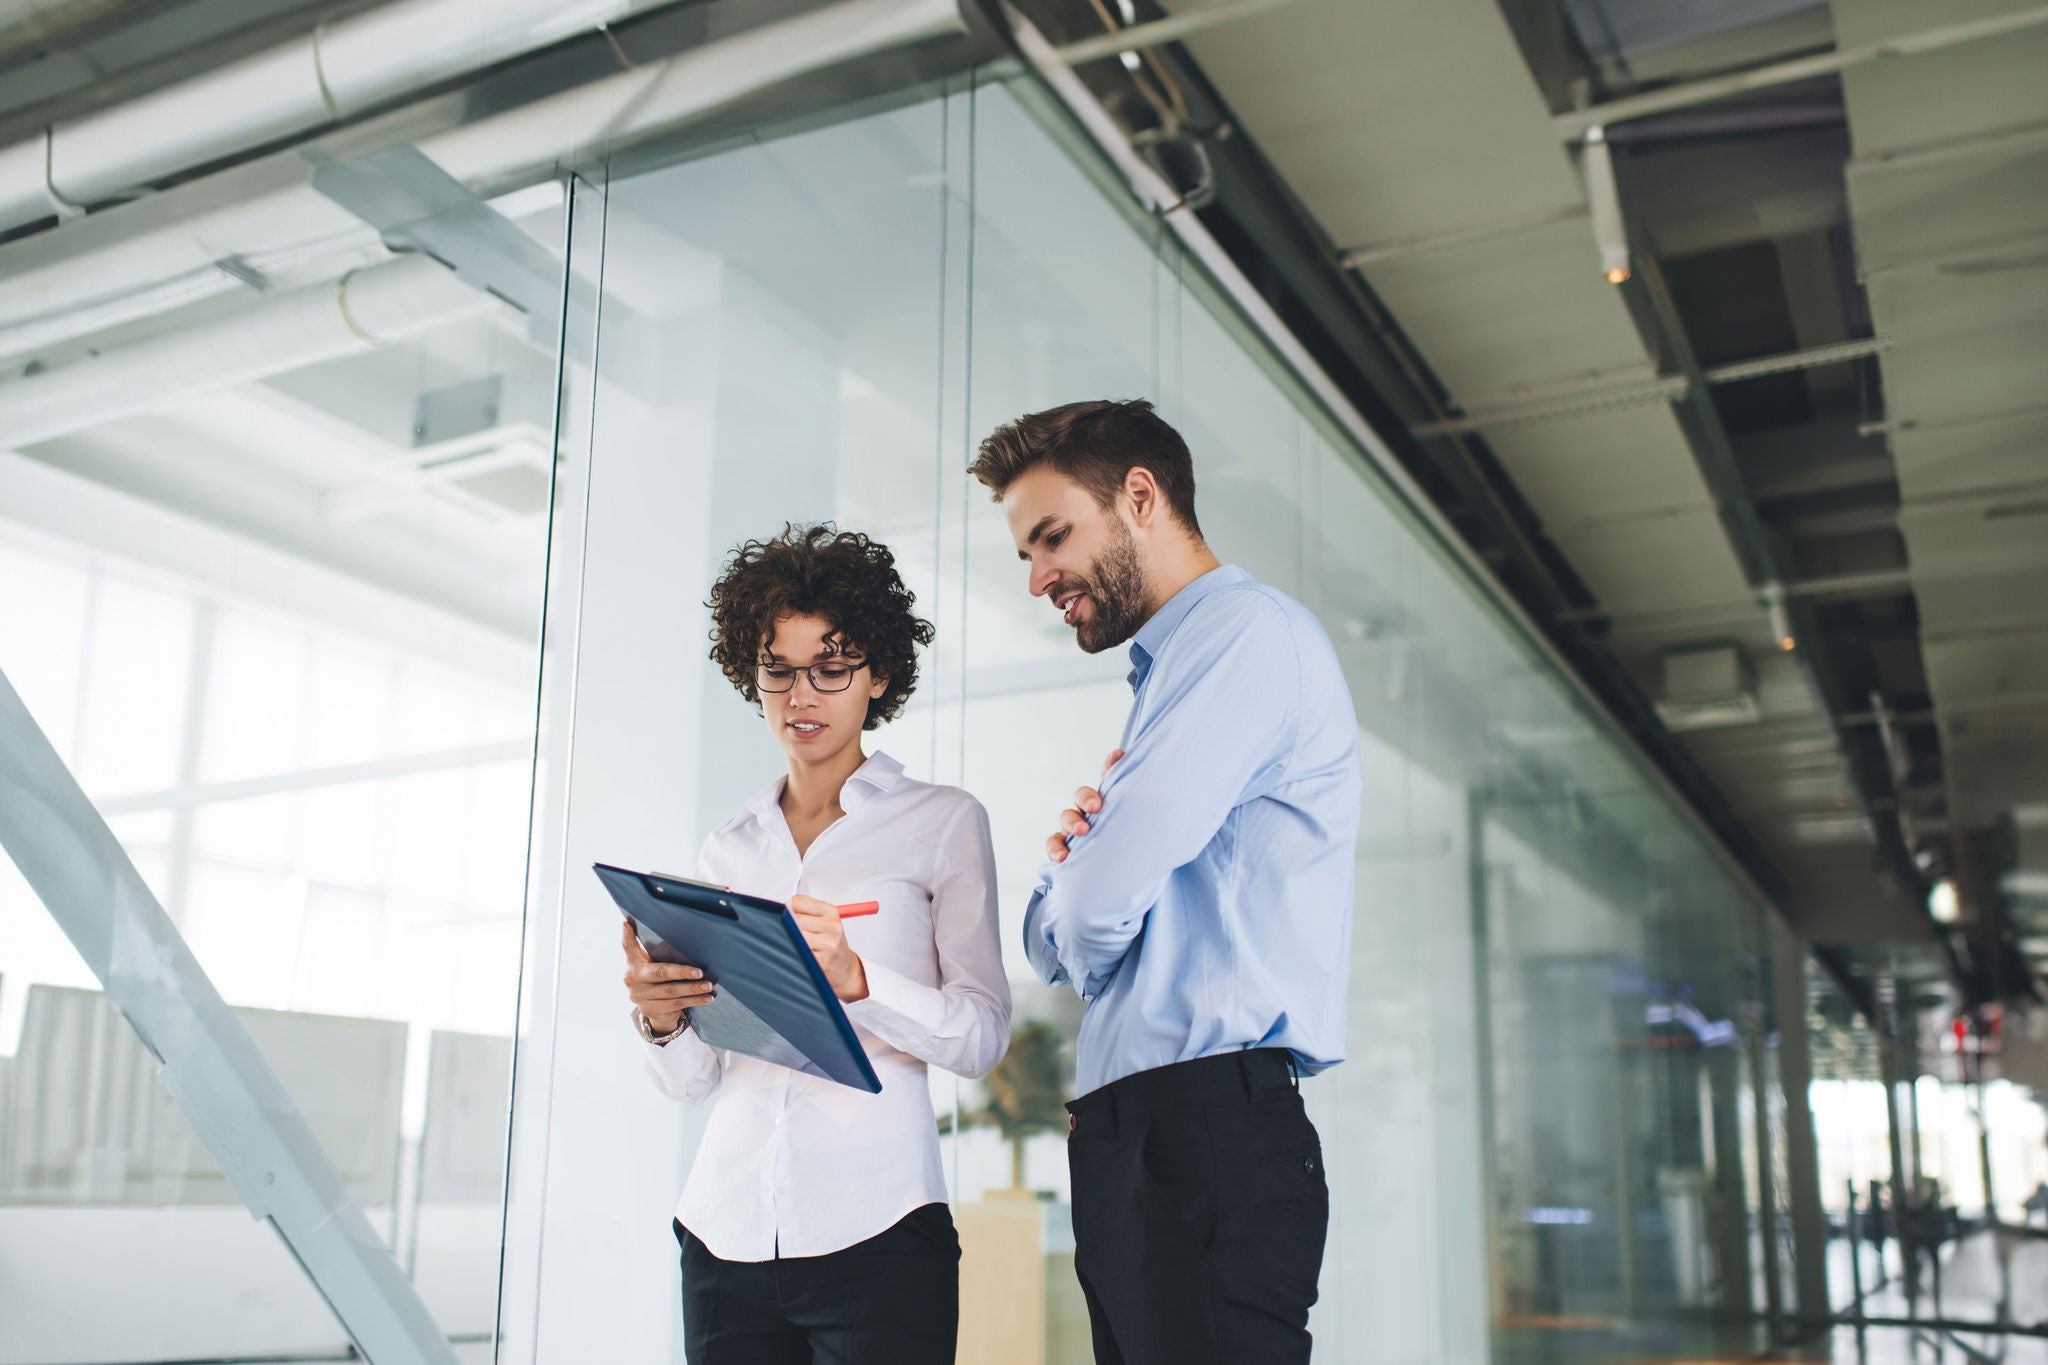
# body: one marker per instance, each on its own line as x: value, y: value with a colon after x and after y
x: 858, y: 908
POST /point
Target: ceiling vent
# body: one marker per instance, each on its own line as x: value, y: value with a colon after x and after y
x: 469, y: 452
x: 500, y: 473
x: 1708, y: 689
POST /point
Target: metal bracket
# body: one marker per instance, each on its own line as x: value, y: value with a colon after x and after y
x: 415, y: 205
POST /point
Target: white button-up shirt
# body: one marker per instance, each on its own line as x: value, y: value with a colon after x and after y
x: 796, y: 1165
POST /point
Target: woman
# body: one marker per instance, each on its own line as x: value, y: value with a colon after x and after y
x: 814, y: 1225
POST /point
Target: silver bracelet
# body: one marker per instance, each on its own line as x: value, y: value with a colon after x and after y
x: 662, y: 1039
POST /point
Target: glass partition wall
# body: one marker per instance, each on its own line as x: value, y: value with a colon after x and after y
x: 1545, y: 1142
x: 281, y: 625
x: 1544, y: 1145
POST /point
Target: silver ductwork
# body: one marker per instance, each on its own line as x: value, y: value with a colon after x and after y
x: 44, y: 21
x: 328, y: 75
x: 270, y: 206
x: 366, y: 308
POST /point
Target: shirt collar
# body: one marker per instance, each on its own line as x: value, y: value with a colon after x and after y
x: 879, y: 774
x: 1153, y: 635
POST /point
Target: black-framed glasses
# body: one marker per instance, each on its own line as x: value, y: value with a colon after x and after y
x: 834, y: 675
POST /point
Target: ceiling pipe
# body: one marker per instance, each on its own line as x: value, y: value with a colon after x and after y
x: 1692, y: 801
x: 1793, y: 620
x: 1172, y: 29
x: 43, y: 21
x: 1573, y: 398
x: 327, y: 76
x: 364, y: 309
x: 519, y: 147
x: 1574, y: 124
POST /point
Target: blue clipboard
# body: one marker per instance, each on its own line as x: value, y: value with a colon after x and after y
x: 773, y: 1001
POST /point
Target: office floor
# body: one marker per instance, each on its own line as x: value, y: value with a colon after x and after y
x: 1877, y: 1346
x: 1911, y: 1346
x: 467, y: 1353
x: 1975, y: 1274
x: 1971, y: 1283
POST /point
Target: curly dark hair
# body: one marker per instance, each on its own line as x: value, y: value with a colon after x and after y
x: 841, y: 576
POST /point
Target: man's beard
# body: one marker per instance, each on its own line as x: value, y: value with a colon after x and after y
x: 1116, y: 594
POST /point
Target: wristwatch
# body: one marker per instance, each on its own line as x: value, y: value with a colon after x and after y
x: 661, y: 1039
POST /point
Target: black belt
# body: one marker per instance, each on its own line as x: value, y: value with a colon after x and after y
x: 1227, y: 1075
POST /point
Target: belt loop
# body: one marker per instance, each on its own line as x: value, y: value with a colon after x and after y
x: 1246, y: 1075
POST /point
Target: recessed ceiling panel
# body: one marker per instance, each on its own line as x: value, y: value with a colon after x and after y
x: 1653, y: 562
x: 1392, y: 120
x: 1530, y: 308
x: 1842, y: 902
x: 1970, y: 603
x: 1932, y: 97
x: 1981, y: 199
x: 1993, y: 373
x: 1976, y: 453
x: 1980, y: 672
x: 1586, y: 471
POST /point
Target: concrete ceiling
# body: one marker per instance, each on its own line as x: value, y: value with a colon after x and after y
x: 1911, y: 491
x: 1948, y: 187
x: 308, y: 482
x: 1418, y: 138
x: 1905, y: 493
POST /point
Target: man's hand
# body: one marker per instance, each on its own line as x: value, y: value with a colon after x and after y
x: 1074, y: 819
x: 826, y: 934
x: 661, y: 990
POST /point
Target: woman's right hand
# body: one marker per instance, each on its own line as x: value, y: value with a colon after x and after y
x: 661, y: 991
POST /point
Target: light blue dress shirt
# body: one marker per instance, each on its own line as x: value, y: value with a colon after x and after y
x: 1208, y: 908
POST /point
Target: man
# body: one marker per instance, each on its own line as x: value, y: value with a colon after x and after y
x: 1200, y: 902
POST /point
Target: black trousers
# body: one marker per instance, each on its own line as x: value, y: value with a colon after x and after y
x: 1200, y: 1210
x: 891, y: 1300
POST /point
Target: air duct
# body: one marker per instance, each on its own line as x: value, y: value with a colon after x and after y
x: 329, y: 75
x: 1708, y: 689
x: 521, y: 146
x: 366, y: 308
x: 44, y: 21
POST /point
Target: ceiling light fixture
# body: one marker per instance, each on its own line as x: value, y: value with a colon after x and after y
x: 1603, y: 197
x: 1781, y: 619
x: 1942, y: 903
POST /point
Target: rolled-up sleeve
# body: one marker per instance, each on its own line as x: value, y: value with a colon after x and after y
x: 963, y: 1023
x: 686, y: 1067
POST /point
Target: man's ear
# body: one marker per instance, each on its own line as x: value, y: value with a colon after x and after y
x: 1141, y: 490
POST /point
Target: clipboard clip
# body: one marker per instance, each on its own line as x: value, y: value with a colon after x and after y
x: 658, y: 884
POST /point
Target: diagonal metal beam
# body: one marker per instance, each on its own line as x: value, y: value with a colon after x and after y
x: 1578, y: 400
x: 415, y: 205
x: 1168, y: 30
x: 208, y: 1061
x: 183, y: 797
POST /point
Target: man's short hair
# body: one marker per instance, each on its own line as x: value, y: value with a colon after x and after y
x: 1095, y: 444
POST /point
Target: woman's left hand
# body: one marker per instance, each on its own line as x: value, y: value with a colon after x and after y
x: 826, y: 934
